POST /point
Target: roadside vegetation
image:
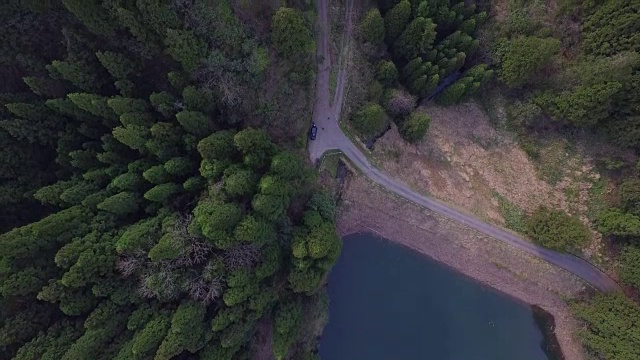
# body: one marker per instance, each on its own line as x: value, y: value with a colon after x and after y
x: 154, y: 201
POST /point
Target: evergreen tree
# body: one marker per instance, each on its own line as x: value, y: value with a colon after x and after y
x: 416, y: 38
x: 396, y: 20
x: 415, y: 127
x: 290, y: 35
x: 372, y: 27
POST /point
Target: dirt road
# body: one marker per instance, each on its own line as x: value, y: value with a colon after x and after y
x: 331, y: 137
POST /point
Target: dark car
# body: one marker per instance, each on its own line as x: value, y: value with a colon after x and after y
x: 313, y: 132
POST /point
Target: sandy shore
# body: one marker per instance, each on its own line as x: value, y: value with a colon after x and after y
x: 367, y: 208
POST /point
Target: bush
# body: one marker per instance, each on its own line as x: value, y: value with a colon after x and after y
x: 524, y: 57
x: 387, y: 73
x: 290, y: 35
x: 556, y: 230
x: 630, y: 266
x: 611, y: 330
x: 415, y: 127
x: 370, y: 120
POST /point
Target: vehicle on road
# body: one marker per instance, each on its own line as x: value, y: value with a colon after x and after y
x: 313, y: 131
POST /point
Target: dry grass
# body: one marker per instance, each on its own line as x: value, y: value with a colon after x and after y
x: 465, y: 161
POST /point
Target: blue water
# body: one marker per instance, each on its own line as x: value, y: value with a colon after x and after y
x: 391, y: 303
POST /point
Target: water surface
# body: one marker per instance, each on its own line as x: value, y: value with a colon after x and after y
x: 391, y: 303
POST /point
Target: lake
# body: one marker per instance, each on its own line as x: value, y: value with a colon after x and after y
x: 389, y: 302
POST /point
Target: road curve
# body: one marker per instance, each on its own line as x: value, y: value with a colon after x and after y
x: 331, y: 137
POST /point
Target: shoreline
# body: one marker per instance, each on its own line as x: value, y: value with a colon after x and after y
x: 367, y: 208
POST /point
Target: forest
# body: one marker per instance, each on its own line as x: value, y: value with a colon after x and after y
x: 155, y: 199
x: 570, y: 70
x: 418, y: 50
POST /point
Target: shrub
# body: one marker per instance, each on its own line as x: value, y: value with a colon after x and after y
x: 630, y: 266
x: 415, y: 127
x: 387, y: 73
x: 525, y: 56
x: 370, y: 120
x: 556, y: 230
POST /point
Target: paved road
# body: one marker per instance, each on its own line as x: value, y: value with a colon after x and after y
x: 331, y: 137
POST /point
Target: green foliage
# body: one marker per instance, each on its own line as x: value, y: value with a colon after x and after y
x: 218, y: 146
x: 465, y: 86
x: 556, y: 230
x: 370, y: 120
x: 156, y: 174
x: 618, y: 223
x: 147, y: 340
x: 372, y: 27
x: 416, y: 39
x: 166, y: 249
x: 185, y: 48
x: 127, y: 181
x: 178, y: 166
x: 136, y: 235
x: 611, y: 29
x: 288, y: 319
x: 198, y: 99
x: 212, y: 170
x: 629, y: 270
x: 629, y: 192
x: 134, y: 136
x: 217, y: 220
x: 118, y: 65
x: 187, y: 331
x: 135, y: 250
x: 161, y: 193
x: 585, y: 105
x: 122, y: 105
x: 164, y: 103
x: 290, y: 35
x: 195, y: 122
x: 453, y: 94
x: 92, y: 15
x: 323, y: 203
x: 255, y: 147
x: 611, y: 331
x: 415, y: 127
x: 396, y: 19
x: 79, y: 73
x: 239, y: 181
x: 523, y: 57
x: 91, y: 103
x: 120, y: 204
x: 255, y: 230
x: 387, y: 73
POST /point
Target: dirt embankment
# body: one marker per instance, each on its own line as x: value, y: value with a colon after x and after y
x: 466, y: 162
x: 367, y: 208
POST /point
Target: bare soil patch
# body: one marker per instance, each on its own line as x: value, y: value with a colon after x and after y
x: 367, y: 208
x: 466, y: 162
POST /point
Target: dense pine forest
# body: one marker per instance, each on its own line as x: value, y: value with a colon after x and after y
x: 155, y: 203
x: 155, y: 197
